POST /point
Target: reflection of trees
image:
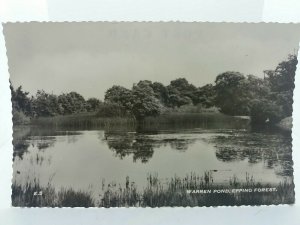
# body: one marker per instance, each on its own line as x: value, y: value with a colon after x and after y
x: 178, y: 144
x: 142, y: 150
x: 275, y: 150
x: 227, y: 154
x: 20, y: 147
x: 141, y: 146
x: 37, y: 137
x: 40, y: 138
x: 121, y: 144
x: 19, y: 142
x: 42, y: 145
x: 125, y: 144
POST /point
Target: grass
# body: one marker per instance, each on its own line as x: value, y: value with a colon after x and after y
x: 171, y: 120
x: 207, y: 120
x: 33, y: 195
x: 82, y: 121
x: 156, y: 194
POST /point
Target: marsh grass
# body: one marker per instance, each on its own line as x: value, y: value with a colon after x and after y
x: 173, y: 192
x: 168, y: 120
x: 33, y: 195
x: 82, y: 121
x: 205, y: 120
x: 186, y: 118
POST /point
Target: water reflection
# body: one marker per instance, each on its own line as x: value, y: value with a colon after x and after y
x: 275, y: 150
x: 234, y: 150
x: 271, y: 147
x: 20, y: 147
x: 141, y: 146
x: 125, y: 144
x: 40, y: 138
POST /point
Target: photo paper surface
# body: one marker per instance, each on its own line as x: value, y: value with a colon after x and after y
x: 139, y: 114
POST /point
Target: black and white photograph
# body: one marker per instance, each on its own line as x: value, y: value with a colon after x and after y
x: 151, y: 114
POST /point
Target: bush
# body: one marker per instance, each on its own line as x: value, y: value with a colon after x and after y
x: 20, y: 118
x: 265, y: 110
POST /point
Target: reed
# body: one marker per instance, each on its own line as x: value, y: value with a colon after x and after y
x: 33, y: 195
x: 169, y: 120
x: 173, y: 192
x: 207, y: 120
x: 82, y: 121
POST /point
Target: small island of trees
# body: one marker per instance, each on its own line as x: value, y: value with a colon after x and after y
x: 264, y: 100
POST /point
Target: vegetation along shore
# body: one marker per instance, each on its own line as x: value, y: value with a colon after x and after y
x: 265, y: 100
x: 174, y: 192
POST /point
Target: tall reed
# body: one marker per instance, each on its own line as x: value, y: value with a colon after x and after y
x: 176, y: 191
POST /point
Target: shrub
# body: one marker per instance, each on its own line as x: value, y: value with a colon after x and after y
x: 20, y: 118
x: 264, y: 110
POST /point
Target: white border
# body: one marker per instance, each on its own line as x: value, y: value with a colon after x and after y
x: 141, y: 10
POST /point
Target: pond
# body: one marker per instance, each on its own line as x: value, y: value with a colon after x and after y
x: 88, y: 159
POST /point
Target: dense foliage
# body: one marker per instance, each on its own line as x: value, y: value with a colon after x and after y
x: 265, y: 100
x: 278, y: 100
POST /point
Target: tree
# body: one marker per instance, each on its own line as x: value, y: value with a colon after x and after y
x: 92, y: 104
x: 176, y: 99
x: 205, y: 95
x: 230, y: 96
x: 252, y: 89
x: 161, y: 93
x: 255, y: 87
x: 71, y: 103
x: 139, y: 102
x: 283, y: 77
x: 144, y: 102
x: 20, y: 100
x: 119, y: 95
x: 276, y: 97
x: 21, y: 105
x: 45, y: 104
x: 282, y: 85
x: 181, y: 93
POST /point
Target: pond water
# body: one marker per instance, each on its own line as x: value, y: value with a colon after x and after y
x: 86, y: 159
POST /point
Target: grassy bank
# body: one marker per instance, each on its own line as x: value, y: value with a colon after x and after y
x: 172, y: 193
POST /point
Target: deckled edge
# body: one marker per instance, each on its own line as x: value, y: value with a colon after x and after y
x: 160, y: 21
x: 11, y: 115
x: 293, y: 121
x: 149, y: 21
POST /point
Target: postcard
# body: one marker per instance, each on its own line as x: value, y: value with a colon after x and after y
x: 151, y: 114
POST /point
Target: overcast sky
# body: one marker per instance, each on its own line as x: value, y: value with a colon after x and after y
x: 91, y: 57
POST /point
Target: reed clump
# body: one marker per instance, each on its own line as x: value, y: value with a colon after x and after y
x: 175, y: 119
x: 176, y: 191
x: 33, y: 195
x: 82, y: 121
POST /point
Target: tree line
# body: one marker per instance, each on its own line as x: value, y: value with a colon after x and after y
x: 264, y: 99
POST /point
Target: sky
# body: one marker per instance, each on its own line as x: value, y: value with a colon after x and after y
x: 90, y: 57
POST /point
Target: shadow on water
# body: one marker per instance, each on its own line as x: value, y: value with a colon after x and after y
x: 41, y: 138
x: 232, y: 140
x: 141, y: 145
x: 269, y: 145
